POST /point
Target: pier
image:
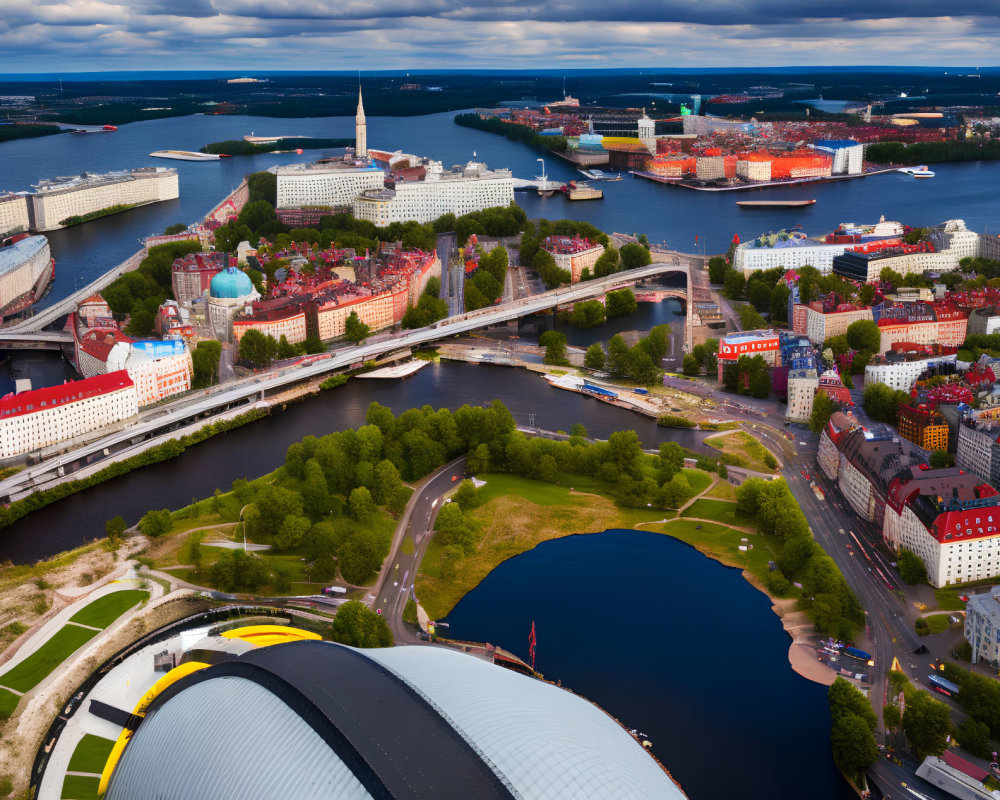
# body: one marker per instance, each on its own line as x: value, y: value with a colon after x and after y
x: 403, y: 370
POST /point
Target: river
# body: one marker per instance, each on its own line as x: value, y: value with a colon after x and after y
x: 671, y: 643
x: 664, y: 213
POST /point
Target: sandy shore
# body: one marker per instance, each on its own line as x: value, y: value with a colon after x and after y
x: 802, y: 650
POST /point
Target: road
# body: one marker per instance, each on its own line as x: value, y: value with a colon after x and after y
x: 400, y: 570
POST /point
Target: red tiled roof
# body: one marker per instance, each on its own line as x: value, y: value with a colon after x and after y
x: 38, y: 399
x: 957, y: 762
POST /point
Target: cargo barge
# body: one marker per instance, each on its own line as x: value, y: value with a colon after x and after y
x: 774, y: 203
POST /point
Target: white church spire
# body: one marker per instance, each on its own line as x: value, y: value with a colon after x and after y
x: 360, y: 130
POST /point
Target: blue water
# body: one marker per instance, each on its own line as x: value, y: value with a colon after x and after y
x: 664, y: 213
x: 671, y: 643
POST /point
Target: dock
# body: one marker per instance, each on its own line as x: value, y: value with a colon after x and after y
x: 403, y: 370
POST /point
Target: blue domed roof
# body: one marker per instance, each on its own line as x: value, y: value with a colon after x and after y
x: 230, y: 284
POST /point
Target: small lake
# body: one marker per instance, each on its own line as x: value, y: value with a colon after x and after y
x: 671, y: 643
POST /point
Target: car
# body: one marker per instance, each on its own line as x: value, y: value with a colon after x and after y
x: 840, y: 531
x: 454, y: 478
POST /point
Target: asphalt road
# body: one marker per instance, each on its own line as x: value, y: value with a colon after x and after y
x: 416, y: 527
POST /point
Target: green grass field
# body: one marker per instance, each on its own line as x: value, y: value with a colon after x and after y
x: 541, y: 494
x: 91, y: 754
x: 8, y: 702
x: 80, y: 787
x: 50, y: 655
x: 723, y: 490
x: 698, y: 478
x: 105, y: 610
x: 717, y: 510
x: 947, y: 600
x: 938, y: 623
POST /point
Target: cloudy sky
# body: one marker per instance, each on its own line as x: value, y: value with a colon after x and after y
x: 88, y: 35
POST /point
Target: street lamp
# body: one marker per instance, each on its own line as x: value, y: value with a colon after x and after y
x: 244, y: 527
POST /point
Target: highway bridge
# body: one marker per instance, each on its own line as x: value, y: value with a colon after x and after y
x: 196, y: 407
x: 42, y: 340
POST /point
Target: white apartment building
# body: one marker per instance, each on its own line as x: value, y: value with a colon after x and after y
x: 820, y: 326
x: 749, y: 259
x: 38, y: 419
x: 13, y: 213
x: 950, y: 519
x: 848, y: 157
x: 802, y: 387
x: 856, y: 489
x: 982, y: 626
x: 956, y: 239
x: 456, y: 192
x: 326, y: 184
x: 56, y: 201
x: 754, y: 170
x: 22, y: 265
x: 903, y: 373
x: 159, y: 369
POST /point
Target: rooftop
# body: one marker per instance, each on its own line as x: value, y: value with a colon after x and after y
x: 16, y: 254
x: 64, y: 394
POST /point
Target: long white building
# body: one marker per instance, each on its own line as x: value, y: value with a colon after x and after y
x: 335, y: 185
x: 25, y: 270
x: 13, y: 213
x: 982, y: 626
x: 900, y: 372
x: 461, y: 190
x: 58, y: 200
x: 34, y: 420
x: 787, y: 254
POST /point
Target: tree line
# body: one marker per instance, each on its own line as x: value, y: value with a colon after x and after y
x: 512, y: 131
x: 641, y: 362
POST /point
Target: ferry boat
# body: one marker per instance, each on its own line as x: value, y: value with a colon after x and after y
x: 187, y: 155
x: 774, y: 203
x: 582, y: 191
x: 918, y: 172
x: 110, y: 128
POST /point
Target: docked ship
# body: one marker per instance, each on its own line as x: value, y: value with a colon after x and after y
x: 187, y: 155
x: 26, y: 272
x: 600, y: 175
x: 582, y: 191
x: 852, y: 233
x: 774, y: 203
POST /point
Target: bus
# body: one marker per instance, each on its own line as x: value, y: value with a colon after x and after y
x: 334, y: 591
x: 939, y: 684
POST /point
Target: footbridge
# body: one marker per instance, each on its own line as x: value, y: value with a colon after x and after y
x: 198, y: 408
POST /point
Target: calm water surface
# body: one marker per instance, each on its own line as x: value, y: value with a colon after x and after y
x: 673, y: 644
x: 664, y: 213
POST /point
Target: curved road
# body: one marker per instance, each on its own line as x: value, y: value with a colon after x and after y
x: 395, y: 584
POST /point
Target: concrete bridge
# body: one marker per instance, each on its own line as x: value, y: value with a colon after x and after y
x: 43, y: 340
x: 198, y: 408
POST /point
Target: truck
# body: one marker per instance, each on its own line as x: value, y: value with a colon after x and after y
x: 334, y: 591
x: 854, y: 652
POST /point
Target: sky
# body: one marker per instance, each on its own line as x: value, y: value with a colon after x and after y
x: 95, y: 35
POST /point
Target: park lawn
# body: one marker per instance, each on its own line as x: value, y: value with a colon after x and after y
x: 722, y: 543
x: 542, y: 494
x: 513, y: 524
x: 46, y: 658
x: 80, y: 787
x: 8, y: 702
x: 698, y: 478
x: 91, y: 754
x: 718, y: 511
x: 938, y: 623
x: 723, y: 490
x: 747, y: 450
x: 947, y: 599
x: 105, y: 610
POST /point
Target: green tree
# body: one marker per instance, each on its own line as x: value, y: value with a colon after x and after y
x: 911, y: 568
x: 595, y: 357
x: 281, y: 576
x: 357, y: 625
x: 238, y: 571
x: 467, y: 496
x: 734, y: 285
x: 778, y: 303
x: 361, y: 503
x: 634, y: 256
x: 587, y: 314
x: 292, y: 532
x: 823, y: 407
x: 864, y: 335
x: 285, y: 349
x: 205, y: 364
x: 607, y: 263
x: 940, y: 459
x: 926, y: 723
x: 759, y: 295
x: 620, y: 302
x: 691, y: 365
x: 355, y: 330
x: 554, y: 343
x: 974, y: 737
x: 892, y: 718
x: 115, y: 528
x: 717, y: 268
x: 177, y: 227
x: 854, y: 746
x: 361, y: 556
x: 155, y: 523
x: 256, y: 348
